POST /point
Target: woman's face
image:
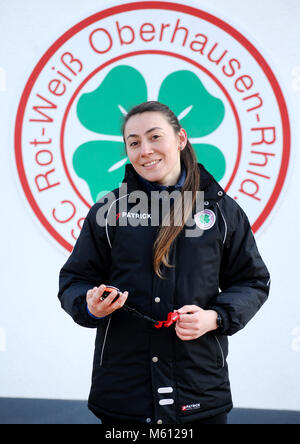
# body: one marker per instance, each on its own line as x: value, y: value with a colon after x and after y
x: 153, y: 147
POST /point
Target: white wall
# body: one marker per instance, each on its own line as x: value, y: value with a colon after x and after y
x: 42, y: 352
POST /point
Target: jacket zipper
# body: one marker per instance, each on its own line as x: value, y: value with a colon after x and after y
x: 221, y: 350
x: 104, y: 341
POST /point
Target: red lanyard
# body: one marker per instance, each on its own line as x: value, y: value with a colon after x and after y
x: 173, y: 316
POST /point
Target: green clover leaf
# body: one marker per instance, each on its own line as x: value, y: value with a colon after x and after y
x: 101, y: 163
x: 101, y: 172
x: 101, y: 110
x: 183, y: 90
x: 204, y: 218
x: 212, y: 158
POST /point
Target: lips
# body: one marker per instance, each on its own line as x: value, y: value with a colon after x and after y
x: 152, y: 163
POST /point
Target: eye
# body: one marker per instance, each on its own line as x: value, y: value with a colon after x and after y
x: 155, y: 136
x: 133, y: 144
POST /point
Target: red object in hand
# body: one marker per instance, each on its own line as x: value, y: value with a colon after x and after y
x: 173, y: 316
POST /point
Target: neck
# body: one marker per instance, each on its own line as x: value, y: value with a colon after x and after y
x: 172, y: 178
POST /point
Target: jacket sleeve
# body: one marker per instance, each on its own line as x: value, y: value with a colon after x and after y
x: 244, y: 279
x: 88, y: 266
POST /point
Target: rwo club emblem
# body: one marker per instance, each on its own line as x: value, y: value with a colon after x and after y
x: 205, y: 219
x: 68, y: 142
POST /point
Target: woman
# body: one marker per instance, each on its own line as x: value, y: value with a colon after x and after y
x: 215, y: 281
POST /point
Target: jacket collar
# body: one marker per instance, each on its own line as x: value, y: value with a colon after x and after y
x: 153, y: 186
x: 213, y: 191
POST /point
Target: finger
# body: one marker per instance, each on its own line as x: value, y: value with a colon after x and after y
x: 98, y: 292
x: 188, y: 318
x: 118, y: 303
x: 183, y: 336
x: 184, y: 331
x: 189, y: 327
x: 121, y: 300
x: 90, y: 293
x: 188, y: 309
x: 110, y: 298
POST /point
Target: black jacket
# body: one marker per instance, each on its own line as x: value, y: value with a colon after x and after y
x: 149, y: 375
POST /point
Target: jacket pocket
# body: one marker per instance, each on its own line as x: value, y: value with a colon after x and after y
x: 104, y: 342
x: 221, y: 359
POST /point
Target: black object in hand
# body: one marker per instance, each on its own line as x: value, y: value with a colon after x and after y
x: 108, y: 291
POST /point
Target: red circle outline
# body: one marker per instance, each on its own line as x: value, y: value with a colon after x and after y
x: 135, y: 53
x: 164, y: 6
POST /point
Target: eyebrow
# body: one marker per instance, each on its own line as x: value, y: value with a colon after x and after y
x: 148, y: 131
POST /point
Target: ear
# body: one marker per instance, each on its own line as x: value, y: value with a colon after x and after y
x: 182, y: 139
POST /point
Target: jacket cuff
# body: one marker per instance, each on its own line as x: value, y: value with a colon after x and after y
x: 225, y: 317
x: 95, y: 317
x: 81, y: 315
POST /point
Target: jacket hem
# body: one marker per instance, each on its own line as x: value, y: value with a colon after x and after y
x: 98, y: 412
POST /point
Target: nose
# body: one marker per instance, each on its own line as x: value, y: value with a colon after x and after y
x: 146, y: 148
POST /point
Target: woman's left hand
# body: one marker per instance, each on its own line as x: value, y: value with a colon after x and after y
x: 194, y: 322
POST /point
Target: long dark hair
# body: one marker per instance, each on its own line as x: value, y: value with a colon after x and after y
x: 168, y: 233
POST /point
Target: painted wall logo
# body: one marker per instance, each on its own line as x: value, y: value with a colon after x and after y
x: 68, y: 141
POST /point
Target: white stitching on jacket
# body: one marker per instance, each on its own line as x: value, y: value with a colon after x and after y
x: 106, y: 222
x: 221, y: 350
x: 224, y: 223
x: 104, y: 341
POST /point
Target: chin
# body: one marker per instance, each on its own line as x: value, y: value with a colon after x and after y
x: 154, y: 177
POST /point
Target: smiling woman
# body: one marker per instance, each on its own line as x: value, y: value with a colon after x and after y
x: 156, y: 144
x: 210, y: 285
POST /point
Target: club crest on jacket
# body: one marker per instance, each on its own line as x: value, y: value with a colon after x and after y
x: 205, y: 219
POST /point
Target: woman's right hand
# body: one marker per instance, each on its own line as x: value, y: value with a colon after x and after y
x: 101, y: 308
